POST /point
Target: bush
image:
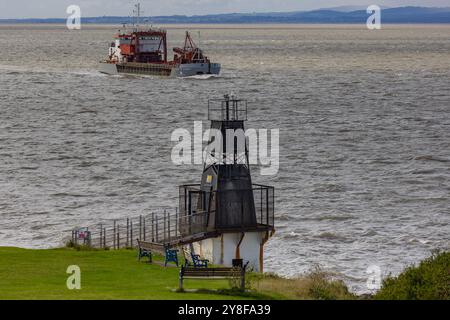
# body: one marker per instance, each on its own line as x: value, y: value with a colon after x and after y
x: 316, y: 285
x: 428, y: 281
x: 73, y: 245
x: 324, y: 287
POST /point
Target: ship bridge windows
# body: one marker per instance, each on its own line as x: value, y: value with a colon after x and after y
x: 150, y: 38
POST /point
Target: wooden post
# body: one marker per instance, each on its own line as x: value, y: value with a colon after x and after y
x: 118, y: 237
x: 140, y: 227
x: 89, y: 238
x: 144, y: 229
x: 131, y: 232
x: 157, y: 233
x: 261, y: 203
x: 189, y: 213
x: 168, y: 225
x: 101, y: 235
x: 128, y: 232
x: 104, y: 237
x: 164, y: 228
x: 176, y: 222
x: 153, y: 227
x: 114, y: 235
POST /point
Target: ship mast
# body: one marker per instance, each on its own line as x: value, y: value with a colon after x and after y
x: 137, y: 15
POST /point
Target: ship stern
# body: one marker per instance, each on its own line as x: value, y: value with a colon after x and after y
x: 194, y: 69
x: 108, y: 68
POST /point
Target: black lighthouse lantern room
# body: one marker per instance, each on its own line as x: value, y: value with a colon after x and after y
x: 226, y: 201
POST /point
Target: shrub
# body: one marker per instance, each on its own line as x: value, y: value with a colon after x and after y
x: 71, y: 244
x: 430, y: 280
x: 315, y: 285
x: 322, y: 286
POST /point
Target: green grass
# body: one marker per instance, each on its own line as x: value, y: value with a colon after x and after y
x: 41, y: 274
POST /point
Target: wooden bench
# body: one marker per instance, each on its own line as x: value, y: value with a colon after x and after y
x: 212, y: 274
x: 146, y: 249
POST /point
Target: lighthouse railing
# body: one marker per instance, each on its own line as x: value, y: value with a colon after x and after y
x: 194, y: 201
x: 264, y: 197
x: 227, y: 110
x: 172, y: 225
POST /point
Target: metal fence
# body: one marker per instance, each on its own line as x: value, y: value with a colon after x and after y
x: 161, y: 227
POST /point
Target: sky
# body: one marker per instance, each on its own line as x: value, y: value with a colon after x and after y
x: 57, y: 8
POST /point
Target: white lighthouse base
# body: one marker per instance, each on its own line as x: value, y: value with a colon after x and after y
x: 222, y: 250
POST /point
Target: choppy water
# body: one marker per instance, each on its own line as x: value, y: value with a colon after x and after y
x: 365, y: 137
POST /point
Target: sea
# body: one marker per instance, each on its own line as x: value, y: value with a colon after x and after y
x: 363, y: 116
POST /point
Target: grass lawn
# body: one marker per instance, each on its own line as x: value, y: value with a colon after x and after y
x: 41, y: 274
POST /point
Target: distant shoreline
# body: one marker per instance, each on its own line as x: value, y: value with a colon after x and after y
x: 230, y: 26
x: 401, y: 15
x: 230, y: 23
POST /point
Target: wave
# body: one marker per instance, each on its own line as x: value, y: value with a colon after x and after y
x: 291, y: 235
x: 94, y: 73
x: 333, y: 236
x: 369, y: 233
x: 334, y: 218
x: 203, y: 77
x: 431, y: 158
x: 65, y: 194
x: 329, y: 188
x: 12, y: 69
x: 87, y: 111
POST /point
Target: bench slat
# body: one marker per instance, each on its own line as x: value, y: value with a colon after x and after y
x: 207, y: 278
x: 151, y: 246
x: 210, y: 269
x: 212, y: 274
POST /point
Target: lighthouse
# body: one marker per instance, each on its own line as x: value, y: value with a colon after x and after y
x: 227, y: 218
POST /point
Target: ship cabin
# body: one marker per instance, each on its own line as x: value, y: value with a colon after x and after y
x: 148, y: 46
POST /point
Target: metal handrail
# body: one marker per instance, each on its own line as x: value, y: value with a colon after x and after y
x: 234, y: 111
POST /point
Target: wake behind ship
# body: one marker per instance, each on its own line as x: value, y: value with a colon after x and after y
x: 144, y: 52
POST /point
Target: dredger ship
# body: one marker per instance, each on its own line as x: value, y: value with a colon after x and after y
x: 144, y: 52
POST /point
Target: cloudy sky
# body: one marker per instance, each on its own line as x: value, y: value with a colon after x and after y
x: 57, y: 8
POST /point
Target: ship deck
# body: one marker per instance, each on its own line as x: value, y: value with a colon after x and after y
x: 161, y: 69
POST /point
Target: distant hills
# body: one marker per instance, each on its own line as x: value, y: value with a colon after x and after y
x: 331, y: 15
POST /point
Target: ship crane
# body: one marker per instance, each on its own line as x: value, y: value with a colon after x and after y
x: 190, y: 53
